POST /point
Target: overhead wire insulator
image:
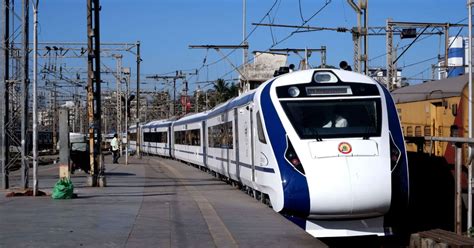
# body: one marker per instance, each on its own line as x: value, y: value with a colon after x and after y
x: 341, y: 29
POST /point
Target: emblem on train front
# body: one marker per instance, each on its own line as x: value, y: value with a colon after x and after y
x: 344, y: 148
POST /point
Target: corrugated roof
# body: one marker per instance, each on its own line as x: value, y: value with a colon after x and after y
x: 448, y: 87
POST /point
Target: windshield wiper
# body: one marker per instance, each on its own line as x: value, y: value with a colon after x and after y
x: 367, y: 133
x: 318, y: 138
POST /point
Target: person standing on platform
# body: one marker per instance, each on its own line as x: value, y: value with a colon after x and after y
x: 115, y: 149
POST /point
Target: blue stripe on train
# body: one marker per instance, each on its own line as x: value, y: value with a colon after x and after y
x: 400, y: 177
x: 295, y: 186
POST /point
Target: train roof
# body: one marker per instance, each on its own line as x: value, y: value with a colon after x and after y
x: 449, y: 87
x: 157, y: 123
x: 191, y: 118
x: 219, y: 109
x: 306, y: 76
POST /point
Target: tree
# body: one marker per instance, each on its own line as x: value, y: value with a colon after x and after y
x: 221, y: 88
x: 233, y: 91
x: 224, y: 91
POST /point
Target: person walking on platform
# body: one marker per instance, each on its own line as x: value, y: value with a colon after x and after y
x: 115, y: 149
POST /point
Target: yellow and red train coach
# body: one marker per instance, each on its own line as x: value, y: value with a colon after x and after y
x: 434, y: 108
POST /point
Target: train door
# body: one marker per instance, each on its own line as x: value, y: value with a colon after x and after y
x: 171, y: 141
x: 227, y: 141
x: 437, y: 116
x: 236, y: 145
x: 252, y: 144
x: 204, y: 144
x: 244, y: 149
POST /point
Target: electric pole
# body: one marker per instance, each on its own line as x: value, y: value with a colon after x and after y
x: 118, y: 78
x: 24, y: 98
x: 126, y: 72
x: 97, y: 168
x: 4, y: 91
x: 139, y: 155
x: 246, y: 86
x: 174, y: 78
x: 35, y: 97
x: 470, y: 116
x: 183, y: 75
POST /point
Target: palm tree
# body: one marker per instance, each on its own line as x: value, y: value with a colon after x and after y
x: 221, y: 88
x: 233, y: 91
x: 223, y: 91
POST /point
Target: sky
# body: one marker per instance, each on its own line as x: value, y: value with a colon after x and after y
x: 165, y: 29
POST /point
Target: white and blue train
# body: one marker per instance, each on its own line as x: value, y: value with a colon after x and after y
x: 325, y: 147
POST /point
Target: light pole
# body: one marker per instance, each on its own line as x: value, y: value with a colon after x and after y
x: 469, y: 59
x: 35, y: 96
x: 126, y: 72
x: 198, y: 94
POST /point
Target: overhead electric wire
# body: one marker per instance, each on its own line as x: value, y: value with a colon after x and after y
x: 284, y: 39
x: 301, y: 12
x: 428, y: 36
x: 245, y: 39
x: 420, y: 62
x: 248, y: 36
x: 304, y: 23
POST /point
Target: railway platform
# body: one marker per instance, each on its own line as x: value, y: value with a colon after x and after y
x: 151, y: 202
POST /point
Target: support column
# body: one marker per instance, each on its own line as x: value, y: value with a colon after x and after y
x: 24, y: 98
x: 458, y: 199
x: 97, y: 169
x: 97, y: 96
x: 139, y: 155
x: 64, y: 143
x: 390, y: 65
x: 470, y: 116
x: 4, y: 96
x: 35, y: 98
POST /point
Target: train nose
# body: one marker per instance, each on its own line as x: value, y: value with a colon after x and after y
x: 349, y: 186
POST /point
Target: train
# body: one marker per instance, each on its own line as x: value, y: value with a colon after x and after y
x: 45, y: 141
x: 323, y: 147
x: 435, y: 108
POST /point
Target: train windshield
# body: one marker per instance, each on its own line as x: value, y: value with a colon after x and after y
x: 316, y: 119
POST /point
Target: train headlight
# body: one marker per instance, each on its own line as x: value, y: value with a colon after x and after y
x: 292, y: 157
x: 294, y: 91
x: 395, y: 154
x: 325, y: 77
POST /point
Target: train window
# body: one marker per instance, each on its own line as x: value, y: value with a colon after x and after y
x: 418, y: 131
x: 261, y: 134
x: 193, y: 137
x: 410, y: 131
x: 157, y: 137
x: 132, y: 136
x: 427, y: 131
x: 314, y: 119
x: 162, y: 137
x: 454, y: 109
x: 180, y: 137
x: 188, y: 137
x: 221, y: 136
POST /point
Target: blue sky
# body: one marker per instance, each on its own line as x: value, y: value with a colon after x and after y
x: 166, y: 28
